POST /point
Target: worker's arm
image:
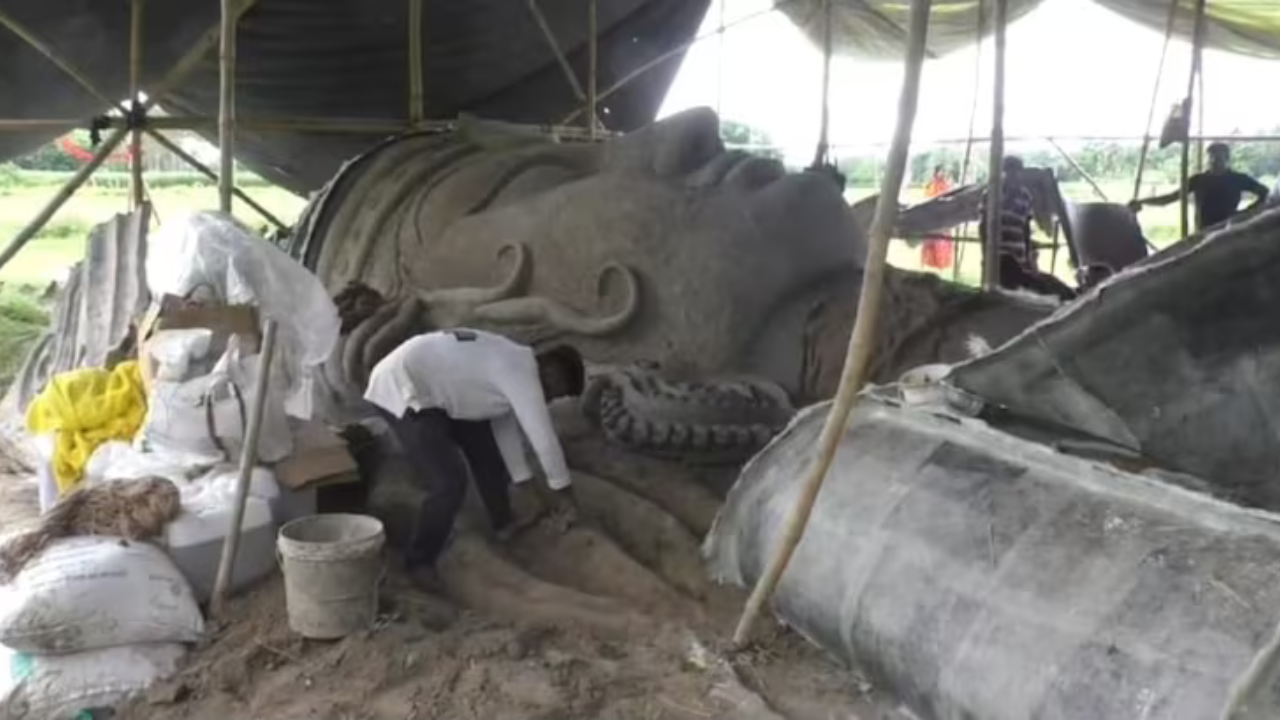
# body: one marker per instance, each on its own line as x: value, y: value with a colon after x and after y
x: 524, y: 393
x: 1166, y: 199
x: 506, y: 433
x: 1257, y: 190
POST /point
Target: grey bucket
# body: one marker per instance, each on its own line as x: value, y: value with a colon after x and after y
x: 332, y: 564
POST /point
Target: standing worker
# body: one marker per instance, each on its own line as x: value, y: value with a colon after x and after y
x: 1218, y: 190
x: 937, y: 251
x: 464, y: 394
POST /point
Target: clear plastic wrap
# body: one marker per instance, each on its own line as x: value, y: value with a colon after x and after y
x: 212, y: 256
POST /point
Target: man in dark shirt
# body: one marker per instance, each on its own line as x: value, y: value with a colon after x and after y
x: 1017, y: 254
x: 1218, y: 190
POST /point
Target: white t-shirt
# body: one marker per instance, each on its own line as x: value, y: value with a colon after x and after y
x: 475, y: 375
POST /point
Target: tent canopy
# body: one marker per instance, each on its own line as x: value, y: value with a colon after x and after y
x: 877, y: 28
x: 347, y: 59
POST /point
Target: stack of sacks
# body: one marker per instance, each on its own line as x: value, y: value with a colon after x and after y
x: 86, y: 619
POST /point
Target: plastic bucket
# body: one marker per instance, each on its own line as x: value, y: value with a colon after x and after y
x: 332, y: 564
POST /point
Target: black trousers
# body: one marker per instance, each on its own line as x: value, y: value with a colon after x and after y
x: 1016, y: 277
x: 442, y: 448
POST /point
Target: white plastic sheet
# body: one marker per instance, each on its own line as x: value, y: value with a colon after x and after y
x: 212, y: 256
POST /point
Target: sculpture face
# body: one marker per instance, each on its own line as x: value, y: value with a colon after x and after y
x: 705, y: 243
x: 659, y: 247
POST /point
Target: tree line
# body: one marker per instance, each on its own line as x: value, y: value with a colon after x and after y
x: 1109, y: 161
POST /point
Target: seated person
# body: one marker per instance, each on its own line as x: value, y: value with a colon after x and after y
x: 1018, y: 269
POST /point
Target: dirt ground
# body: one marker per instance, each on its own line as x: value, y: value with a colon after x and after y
x: 554, y: 626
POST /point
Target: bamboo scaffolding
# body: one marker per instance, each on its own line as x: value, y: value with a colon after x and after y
x: 995, y: 170
x: 205, y: 170
x: 820, y: 153
x: 1097, y: 189
x: 137, y: 190
x: 249, y: 453
x: 1155, y: 96
x: 416, y: 101
x: 549, y: 35
x: 668, y: 55
x: 1197, y: 51
x: 862, y: 340
x: 227, y: 106
x: 37, y: 223
x: 593, y: 59
x: 192, y: 59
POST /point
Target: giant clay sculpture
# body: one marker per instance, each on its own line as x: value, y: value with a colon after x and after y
x: 697, y: 260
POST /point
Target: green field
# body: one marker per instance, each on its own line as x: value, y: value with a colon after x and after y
x: 61, y: 243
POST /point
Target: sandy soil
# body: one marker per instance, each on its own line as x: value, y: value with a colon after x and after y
x: 553, y: 626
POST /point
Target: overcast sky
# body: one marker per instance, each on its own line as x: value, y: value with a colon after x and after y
x: 1074, y: 68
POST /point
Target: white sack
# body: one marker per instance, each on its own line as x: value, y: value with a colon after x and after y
x: 61, y: 687
x: 84, y: 593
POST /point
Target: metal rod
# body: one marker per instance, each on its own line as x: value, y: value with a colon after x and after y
x: 416, y: 107
x: 189, y: 159
x: 862, y: 340
x: 51, y: 208
x: 668, y: 55
x: 191, y: 60
x: 1155, y: 96
x: 824, y: 123
x: 1076, y: 166
x: 248, y: 458
x: 227, y: 107
x: 1197, y: 49
x: 137, y: 191
x: 593, y: 60
x: 995, y: 186
x: 549, y: 35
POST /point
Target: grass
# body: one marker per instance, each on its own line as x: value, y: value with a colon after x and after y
x: 51, y: 253
x: 22, y: 320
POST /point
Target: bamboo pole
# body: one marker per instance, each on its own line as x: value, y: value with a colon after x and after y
x: 995, y: 185
x: 37, y: 223
x: 1097, y: 190
x: 203, y: 169
x: 549, y: 35
x: 1155, y: 97
x: 137, y: 191
x: 862, y: 340
x: 973, y: 123
x: 1200, y: 117
x: 593, y: 60
x: 668, y: 55
x: 52, y: 56
x: 416, y: 108
x: 824, y: 123
x: 191, y: 60
x: 1197, y: 49
x: 248, y: 458
x: 227, y: 106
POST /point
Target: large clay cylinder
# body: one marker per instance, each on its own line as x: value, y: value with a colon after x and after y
x: 1106, y: 234
x: 982, y: 577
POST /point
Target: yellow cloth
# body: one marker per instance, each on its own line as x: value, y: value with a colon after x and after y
x: 86, y: 408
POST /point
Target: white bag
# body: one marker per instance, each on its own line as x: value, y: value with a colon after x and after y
x: 206, y: 418
x: 84, y: 593
x: 61, y: 687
